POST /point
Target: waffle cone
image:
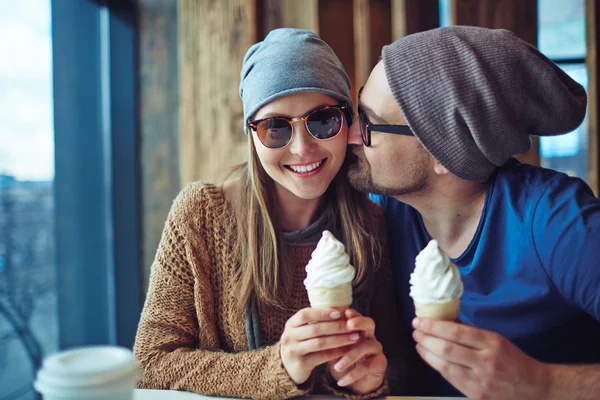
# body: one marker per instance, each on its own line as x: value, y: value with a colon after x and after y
x: 445, y: 311
x: 338, y: 297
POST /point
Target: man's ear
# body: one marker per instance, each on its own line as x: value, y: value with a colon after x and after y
x: 439, y: 168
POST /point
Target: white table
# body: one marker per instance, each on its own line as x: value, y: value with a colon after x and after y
x: 143, y: 394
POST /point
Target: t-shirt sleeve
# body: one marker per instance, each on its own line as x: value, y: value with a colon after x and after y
x: 566, y: 235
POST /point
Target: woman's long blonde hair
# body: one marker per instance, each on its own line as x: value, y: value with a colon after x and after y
x: 262, y: 270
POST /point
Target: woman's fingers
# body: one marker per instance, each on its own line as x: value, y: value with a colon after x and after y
x: 371, y: 368
x: 315, y: 336
x: 325, y: 356
x: 362, y: 350
x: 325, y: 343
x: 363, y: 324
x: 318, y: 329
x: 312, y: 315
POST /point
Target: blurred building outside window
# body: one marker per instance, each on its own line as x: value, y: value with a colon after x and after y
x: 28, y: 312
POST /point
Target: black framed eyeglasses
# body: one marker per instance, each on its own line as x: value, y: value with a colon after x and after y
x: 366, y: 126
x: 323, y: 124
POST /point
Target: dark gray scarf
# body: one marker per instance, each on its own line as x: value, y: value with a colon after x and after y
x: 311, y: 234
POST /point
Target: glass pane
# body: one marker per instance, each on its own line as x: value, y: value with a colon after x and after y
x: 561, y: 28
x: 444, y: 6
x: 28, y: 315
x: 569, y: 153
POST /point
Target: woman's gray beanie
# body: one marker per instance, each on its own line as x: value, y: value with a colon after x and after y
x: 291, y: 61
x: 472, y: 96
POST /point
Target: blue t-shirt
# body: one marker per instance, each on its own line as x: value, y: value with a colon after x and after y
x: 531, y: 272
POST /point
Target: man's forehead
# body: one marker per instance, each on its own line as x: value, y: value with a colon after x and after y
x: 377, y: 96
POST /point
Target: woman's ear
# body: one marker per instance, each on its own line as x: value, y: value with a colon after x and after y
x: 439, y: 168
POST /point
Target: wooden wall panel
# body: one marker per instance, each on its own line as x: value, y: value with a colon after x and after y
x: 362, y: 42
x: 372, y: 31
x: 274, y: 14
x: 518, y: 16
x: 592, y: 13
x: 159, y: 128
x: 336, y: 27
x: 412, y: 16
x: 380, y: 20
x: 213, y: 39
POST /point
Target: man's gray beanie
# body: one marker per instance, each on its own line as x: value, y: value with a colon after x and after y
x: 472, y: 96
x: 291, y: 61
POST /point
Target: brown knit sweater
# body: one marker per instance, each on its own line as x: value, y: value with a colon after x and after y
x: 191, y: 335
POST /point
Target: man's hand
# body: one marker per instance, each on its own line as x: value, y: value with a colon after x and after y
x: 314, y: 336
x: 479, y: 363
x: 362, y: 369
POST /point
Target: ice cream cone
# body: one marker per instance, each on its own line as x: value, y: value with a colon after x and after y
x: 436, y: 285
x: 329, y: 275
x: 447, y: 311
x: 338, y: 297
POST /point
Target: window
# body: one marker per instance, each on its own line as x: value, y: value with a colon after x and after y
x: 28, y: 316
x: 561, y: 37
x: 67, y: 67
x: 445, y: 13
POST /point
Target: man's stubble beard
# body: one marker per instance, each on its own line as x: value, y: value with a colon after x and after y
x: 361, y: 178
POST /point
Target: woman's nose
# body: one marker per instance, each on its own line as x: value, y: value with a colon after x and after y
x: 302, y: 141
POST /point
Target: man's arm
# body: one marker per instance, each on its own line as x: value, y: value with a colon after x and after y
x: 483, y: 364
x: 574, y: 382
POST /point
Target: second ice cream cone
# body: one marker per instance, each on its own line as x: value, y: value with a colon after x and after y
x: 435, y: 285
x: 447, y: 311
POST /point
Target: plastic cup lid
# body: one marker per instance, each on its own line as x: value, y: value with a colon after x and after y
x: 87, y: 366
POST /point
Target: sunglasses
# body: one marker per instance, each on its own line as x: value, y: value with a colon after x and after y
x: 366, y: 126
x: 323, y: 124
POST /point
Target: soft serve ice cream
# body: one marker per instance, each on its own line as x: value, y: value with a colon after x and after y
x: 329, y: 274
x: 436, y: 286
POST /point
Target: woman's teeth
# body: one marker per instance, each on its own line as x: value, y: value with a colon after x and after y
x: 306, y: 168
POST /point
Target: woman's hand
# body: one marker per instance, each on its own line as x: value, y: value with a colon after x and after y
x: 314, y: 336
x: 362, y: 368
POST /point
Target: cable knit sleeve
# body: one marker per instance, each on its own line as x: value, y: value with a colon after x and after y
x: 177, y: 343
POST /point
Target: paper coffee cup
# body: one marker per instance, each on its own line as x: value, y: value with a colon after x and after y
x: 90, y: 373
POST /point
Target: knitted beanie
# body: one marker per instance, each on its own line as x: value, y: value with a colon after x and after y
x: 291, y: 61
x: 472, y: 96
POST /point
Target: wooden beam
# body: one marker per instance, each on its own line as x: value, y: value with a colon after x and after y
x: 380, y: 19
x: 362, y: 41
x: 518, y: 16
x: 336, y: 20
x: 412, y: 16
x: 399, y: 19
x: 159, y: 127
x: 592, y: 13
x: 213, y: 39
x: 288, y: 13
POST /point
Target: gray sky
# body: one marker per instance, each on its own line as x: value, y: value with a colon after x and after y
x: 26, y: 121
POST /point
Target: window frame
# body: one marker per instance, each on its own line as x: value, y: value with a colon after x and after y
x: 97, y: 223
